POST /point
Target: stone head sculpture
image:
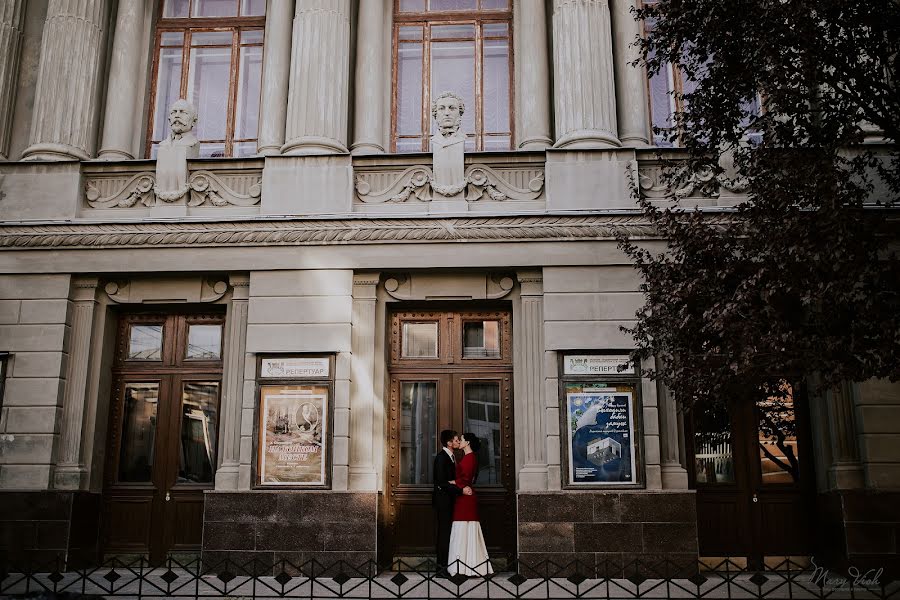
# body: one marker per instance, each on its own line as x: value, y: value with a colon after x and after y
x: 182, y: 116
x: 447, y: 109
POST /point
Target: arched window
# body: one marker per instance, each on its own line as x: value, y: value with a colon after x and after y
x: 210, y: 52
x: 462, y: 46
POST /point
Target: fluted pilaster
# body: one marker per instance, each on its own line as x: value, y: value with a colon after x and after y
x: 371, y: 75
x: 12, y: 14
x: 362, y: 383
x: 71, y: 472
x: 530, y: 381
x: 64, y: 124
x: 583, y: 83
x: 674, y: 475
x: 846, y: 471
x: 124, y: 82
x: 320, y: 71
x: 233, y: 390
x: 631, y: 81
x: 532, y: 75
x: 276, y: 75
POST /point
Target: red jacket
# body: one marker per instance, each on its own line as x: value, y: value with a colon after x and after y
x: 466, y: 507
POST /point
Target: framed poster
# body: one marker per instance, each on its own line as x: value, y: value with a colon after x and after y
x: 600, y: 419
x: 294, y: 413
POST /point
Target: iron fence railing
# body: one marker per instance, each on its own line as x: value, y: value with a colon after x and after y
x: 603, y: 579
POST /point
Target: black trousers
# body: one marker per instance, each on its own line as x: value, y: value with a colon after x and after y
x: 443, y: 509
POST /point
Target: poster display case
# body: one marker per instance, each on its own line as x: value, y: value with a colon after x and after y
x: 600, y: 421
x: 294, y: 416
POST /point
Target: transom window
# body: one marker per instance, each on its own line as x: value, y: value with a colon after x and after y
x: 210, y: 52
x: 461, y: 46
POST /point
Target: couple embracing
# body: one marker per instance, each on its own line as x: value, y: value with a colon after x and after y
x: 460, y: 544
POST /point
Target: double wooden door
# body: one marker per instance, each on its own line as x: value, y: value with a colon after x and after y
x: 752, y: 468
x: 163, y: 432
x: 449, y: 370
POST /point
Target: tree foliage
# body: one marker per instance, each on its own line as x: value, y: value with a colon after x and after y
x: 800, y: 279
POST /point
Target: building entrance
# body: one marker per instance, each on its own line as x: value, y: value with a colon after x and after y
x: 753, y: 474
x: 161, y: 452
x: 449, y: 370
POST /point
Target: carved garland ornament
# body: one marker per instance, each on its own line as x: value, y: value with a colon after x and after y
x: 326, y: 232
x: 204, y: 187
x: 419, y: 182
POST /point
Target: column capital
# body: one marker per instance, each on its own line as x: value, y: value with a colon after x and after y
x: 531, y: 283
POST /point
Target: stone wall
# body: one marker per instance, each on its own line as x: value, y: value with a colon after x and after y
x: 861, y: 529
x: 35, y: 316
x: 39, y: 528
x: 615, y: 533
x: 267, y: 532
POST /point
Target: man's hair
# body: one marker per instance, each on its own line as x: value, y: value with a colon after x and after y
x: 447, y: 436
x: 462, y: 105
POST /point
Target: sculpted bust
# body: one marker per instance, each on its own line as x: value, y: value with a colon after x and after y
x: 174, y: 152
x: 448, y: 145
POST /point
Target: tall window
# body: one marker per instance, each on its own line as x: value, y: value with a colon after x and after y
x: 461, y: 46
x: 210, y: 52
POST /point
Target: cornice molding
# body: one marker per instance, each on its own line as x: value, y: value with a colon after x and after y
x: 328, y: 232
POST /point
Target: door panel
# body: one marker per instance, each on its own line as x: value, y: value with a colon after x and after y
x: 754, y: 483
x: 163, y: 433
x: 449, y: 370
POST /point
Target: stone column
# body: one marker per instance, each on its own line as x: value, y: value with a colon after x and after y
x: 631, y: 81
x: 532, y: 75
x: 362, y: 383
x: 276, y: 74
x: 233, y: 379
x: 583, y: 83
x: 846, y: 470
x: 320, y: 78
x: 529, y: 381
x: 12, y: 13
x: 71, y: 471
x: 64, y: 124
x: 674, y: 475
x: 124, y: 82
x: 371, y: 75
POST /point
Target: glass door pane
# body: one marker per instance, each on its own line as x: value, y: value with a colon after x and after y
x: 418, y: 431
x: 482, y: 417
x: 199, y: 424
x: 713, y: 445
x: 136, y: 452
x: 779, y: 459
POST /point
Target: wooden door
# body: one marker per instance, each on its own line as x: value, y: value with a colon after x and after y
x: 161, y: 453
x: 449, y: 370
x: 754, y: 479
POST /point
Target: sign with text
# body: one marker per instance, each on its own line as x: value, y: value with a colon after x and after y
x: 292, y: 432
x: 295, y: 367
x: 601, y: 434
x: 593, y: 364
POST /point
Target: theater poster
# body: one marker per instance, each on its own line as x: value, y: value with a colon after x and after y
x: 293, y: 431
x: 601, y: 434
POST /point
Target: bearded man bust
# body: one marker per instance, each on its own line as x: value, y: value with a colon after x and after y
x: 174, y: 152
x: 448, y: 146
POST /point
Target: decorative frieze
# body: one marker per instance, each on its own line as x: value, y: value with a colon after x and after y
x: 481, y: 182
x: 129, y: 189
x: 332, y: 231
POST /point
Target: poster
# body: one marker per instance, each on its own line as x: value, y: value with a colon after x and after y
x: 293, y: 427
x: 600, y: 421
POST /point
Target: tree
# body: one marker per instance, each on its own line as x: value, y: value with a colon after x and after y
x: 802, y: 278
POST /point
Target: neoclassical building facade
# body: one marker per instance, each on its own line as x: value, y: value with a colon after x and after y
x: 258, y: 367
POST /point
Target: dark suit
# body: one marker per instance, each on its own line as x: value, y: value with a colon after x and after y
x: 443, y: 496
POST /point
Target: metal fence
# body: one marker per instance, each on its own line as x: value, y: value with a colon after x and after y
x: 545, y: 579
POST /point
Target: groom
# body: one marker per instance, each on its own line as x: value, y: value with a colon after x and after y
x: 444, y: 495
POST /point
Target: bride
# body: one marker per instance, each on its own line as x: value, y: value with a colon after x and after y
x: 468, y: 555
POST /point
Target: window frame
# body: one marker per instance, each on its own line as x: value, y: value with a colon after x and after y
x: 427, y: 19
x: 189, y: 26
